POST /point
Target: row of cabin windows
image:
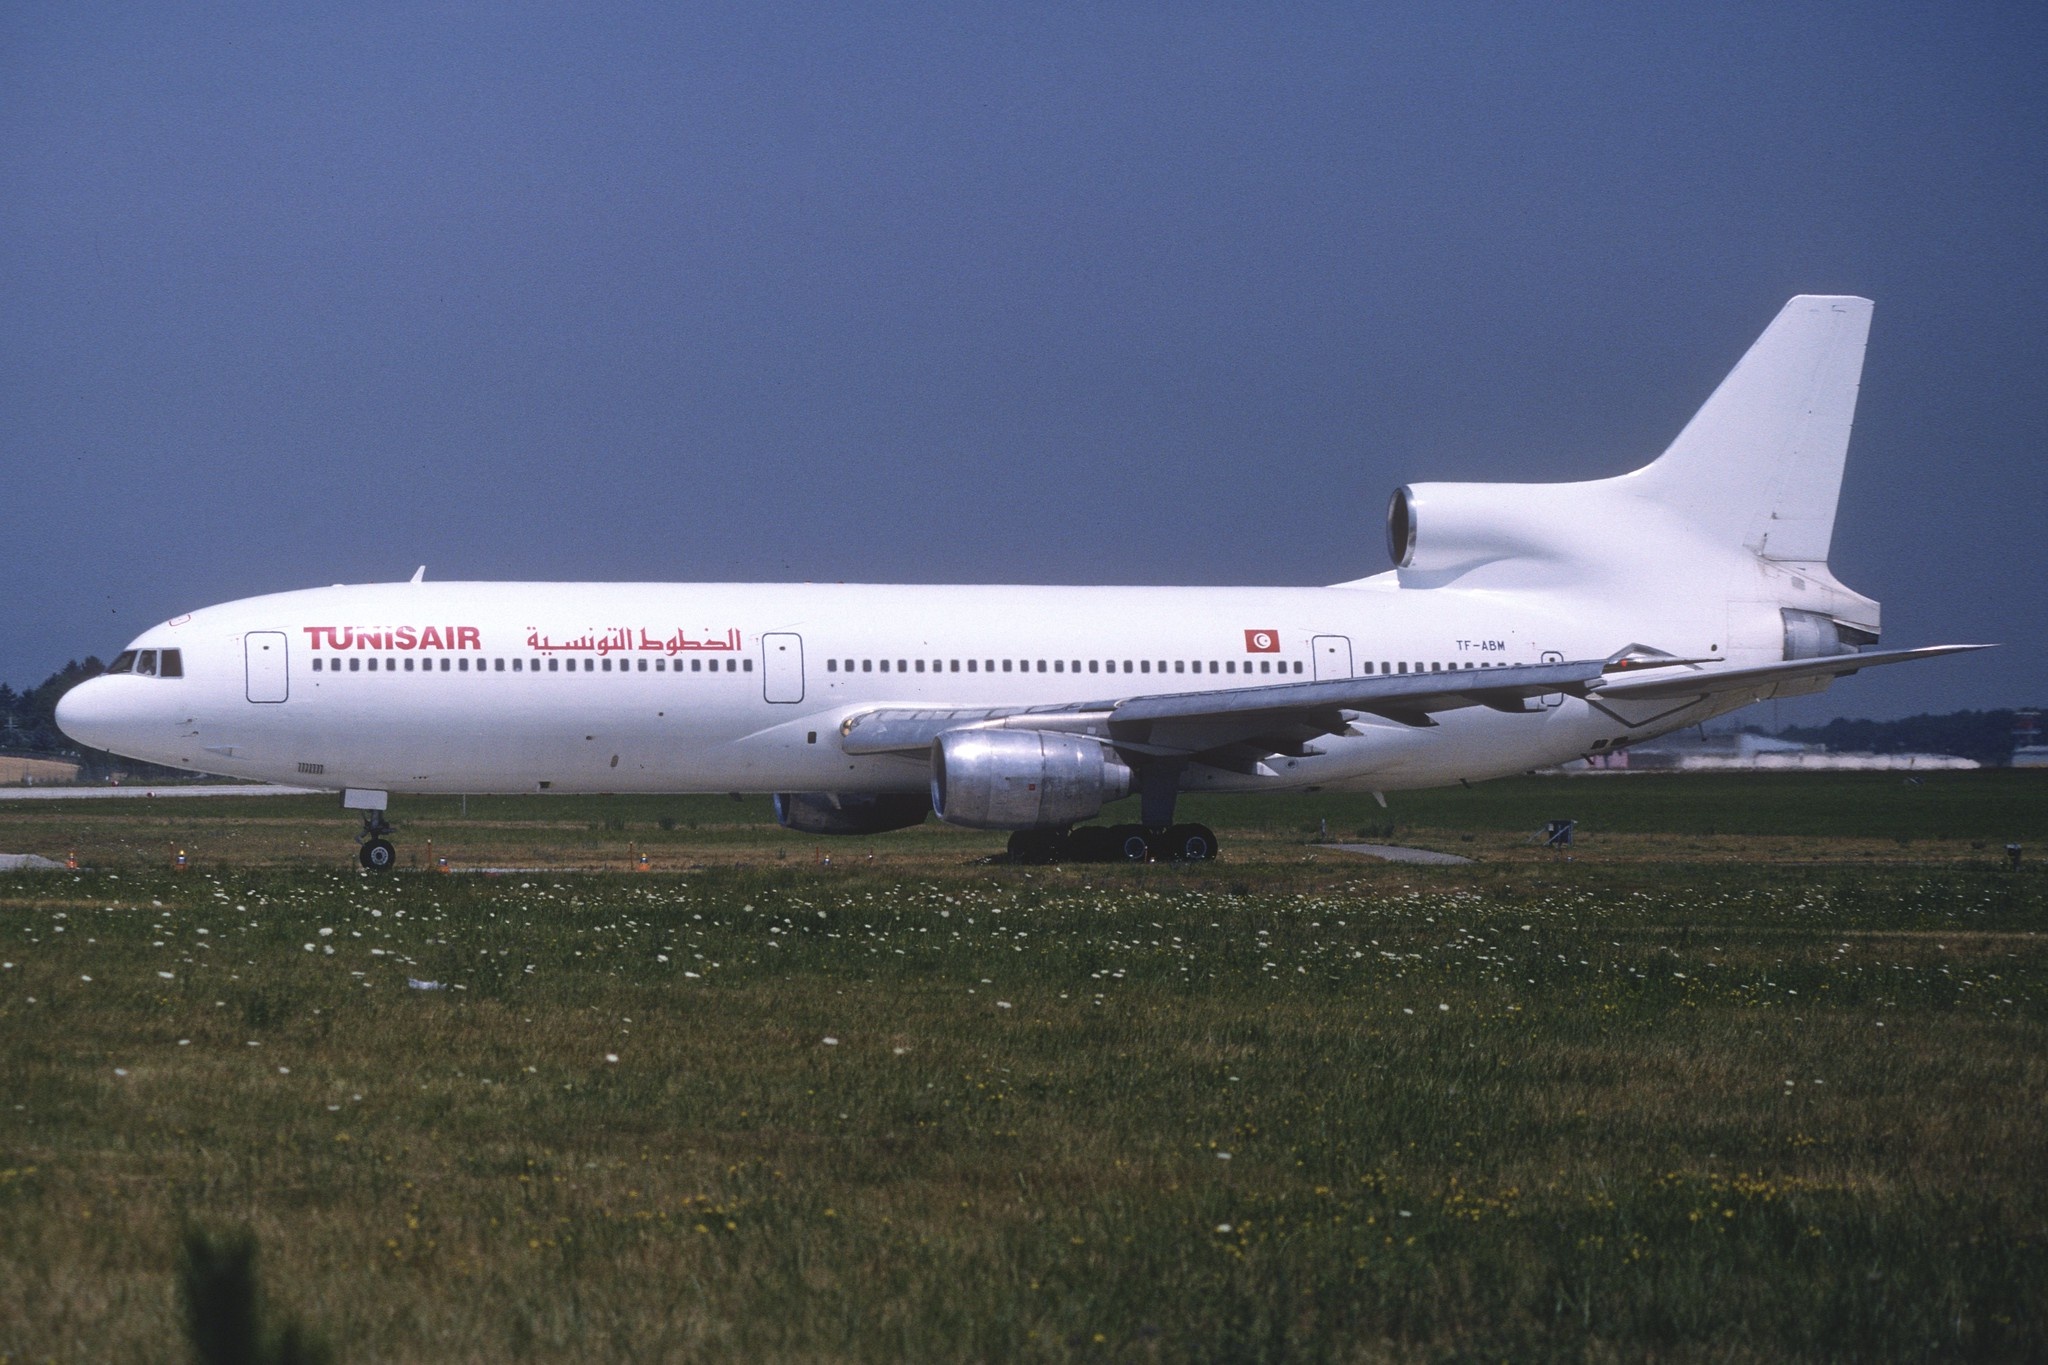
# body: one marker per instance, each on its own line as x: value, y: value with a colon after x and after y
x: 151, y: 663
x: 1112, y: 666
x: 359, y: 663
x: 1055, y: 666
x: 168, y: 664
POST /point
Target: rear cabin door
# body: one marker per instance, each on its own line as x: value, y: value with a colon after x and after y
x: 263, y: 653
x: 782, y: 667
x: 1333, y: 656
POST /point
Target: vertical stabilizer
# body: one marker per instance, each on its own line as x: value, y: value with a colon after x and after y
x: 1761, y: 464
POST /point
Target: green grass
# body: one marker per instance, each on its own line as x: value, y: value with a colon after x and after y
x: 1531, y: 1109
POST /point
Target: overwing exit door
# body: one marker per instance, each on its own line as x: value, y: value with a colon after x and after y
x: 1333, y: 656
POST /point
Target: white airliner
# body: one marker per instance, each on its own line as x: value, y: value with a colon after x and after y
x: 1523, y: 625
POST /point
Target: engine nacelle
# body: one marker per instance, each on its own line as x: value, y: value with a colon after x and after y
x: 1022, y: 779
x: 1437, y: 527
x: 849, y: 813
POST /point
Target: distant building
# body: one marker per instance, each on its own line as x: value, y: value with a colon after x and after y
x: 2033, y: 756
x: 1742, y: 751
x: 18, y: 771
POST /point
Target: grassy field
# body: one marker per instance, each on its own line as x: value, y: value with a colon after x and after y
x: 1760, y: 1073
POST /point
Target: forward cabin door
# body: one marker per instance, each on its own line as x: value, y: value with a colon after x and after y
x: 263, y: 655
x: 782, y: 667
x: 1333, y: 657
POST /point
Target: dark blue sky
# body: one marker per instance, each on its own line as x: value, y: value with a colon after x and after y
x: 1088, y: 293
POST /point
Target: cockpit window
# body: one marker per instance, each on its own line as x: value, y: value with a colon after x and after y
x: 123, y: 661
x: 151, y: 663
x: 145, y: 662
x: 170, y: 664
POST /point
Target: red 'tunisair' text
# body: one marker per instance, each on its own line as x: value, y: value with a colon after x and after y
x: 394, y: 637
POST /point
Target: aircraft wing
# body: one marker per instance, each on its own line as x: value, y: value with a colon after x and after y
x: 1704, y: 682
x: 1237, y: 725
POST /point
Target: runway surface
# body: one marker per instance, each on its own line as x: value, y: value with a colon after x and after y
x: 1394, y: 853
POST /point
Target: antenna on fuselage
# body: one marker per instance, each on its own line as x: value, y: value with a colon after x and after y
x: 419, y: 575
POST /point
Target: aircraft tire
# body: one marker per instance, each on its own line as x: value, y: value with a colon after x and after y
x: 378, y: 855
x: 1191, y: 843
x: 1132, y: 843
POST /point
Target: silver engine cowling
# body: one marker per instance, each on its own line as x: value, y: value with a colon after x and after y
x: 1022, y: 779
x: 849, y: 812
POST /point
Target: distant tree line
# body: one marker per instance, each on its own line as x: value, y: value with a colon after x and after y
x: 1983, y: 735
x: 28, y: 720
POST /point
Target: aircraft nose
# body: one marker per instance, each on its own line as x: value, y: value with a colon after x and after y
x: 89, y: 714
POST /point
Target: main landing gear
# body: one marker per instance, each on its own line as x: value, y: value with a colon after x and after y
x: 376, y: 852
x: 1114, y: 844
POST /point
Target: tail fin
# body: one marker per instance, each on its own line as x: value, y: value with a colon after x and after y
x: 1761, y: 464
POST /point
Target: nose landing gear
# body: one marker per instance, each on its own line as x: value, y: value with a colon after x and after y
x: 376, y: 852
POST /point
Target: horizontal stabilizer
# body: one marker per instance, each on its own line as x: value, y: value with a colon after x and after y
x: 1706, y: 682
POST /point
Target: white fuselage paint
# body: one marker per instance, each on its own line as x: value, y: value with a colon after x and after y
x: 640, y: 687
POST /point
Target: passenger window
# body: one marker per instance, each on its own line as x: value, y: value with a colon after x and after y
x: 354, y: 665
x: 373, y: 665
x: 316, y: 664
x: 642, y: 666
x: 1092, y: 666
x: 729, y: 666
x: 1127, y: 665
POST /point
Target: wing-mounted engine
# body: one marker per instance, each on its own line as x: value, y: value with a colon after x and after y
x: 849, y: 813
x: 1023, y: 779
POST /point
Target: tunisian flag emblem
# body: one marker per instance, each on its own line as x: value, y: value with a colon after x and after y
x: 1262, y: 642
